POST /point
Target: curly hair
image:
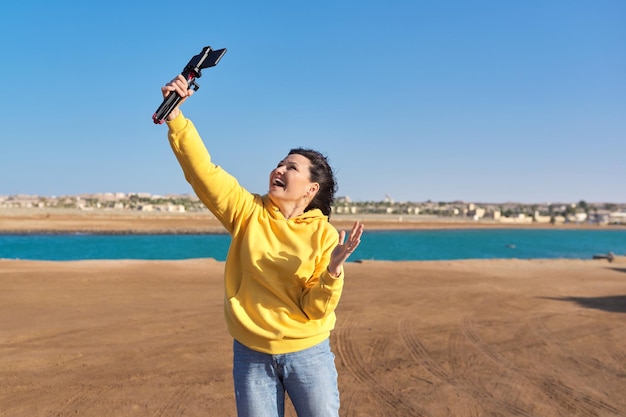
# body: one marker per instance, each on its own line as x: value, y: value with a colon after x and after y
x: 321, y: 173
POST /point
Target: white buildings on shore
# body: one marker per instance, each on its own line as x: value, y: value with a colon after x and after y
x: 107, y: 201
x: 511, y: 213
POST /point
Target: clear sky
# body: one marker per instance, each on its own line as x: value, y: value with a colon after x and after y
x: 484, y: 101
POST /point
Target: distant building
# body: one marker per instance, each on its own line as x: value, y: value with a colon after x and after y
x: 474, y: 212
x: 175, y: 208
x: 519, y: 219
x: 617, y: 217
x: 541, y: 219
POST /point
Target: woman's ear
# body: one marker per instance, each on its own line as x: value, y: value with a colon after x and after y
x: 314, y: 188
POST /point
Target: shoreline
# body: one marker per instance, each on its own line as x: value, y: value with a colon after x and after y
x: 38, y: 221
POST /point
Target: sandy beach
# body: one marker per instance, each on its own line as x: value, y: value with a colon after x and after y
x: 107, y: 221
x: 463, y: 338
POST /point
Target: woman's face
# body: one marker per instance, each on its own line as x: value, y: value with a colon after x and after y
x: 290, y: 182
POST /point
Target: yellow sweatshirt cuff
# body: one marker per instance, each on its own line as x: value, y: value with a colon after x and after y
x: 178, y: 123
x: 332, y: 280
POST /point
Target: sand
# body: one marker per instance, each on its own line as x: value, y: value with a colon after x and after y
x: 109, y: 221
x: 462, y: 338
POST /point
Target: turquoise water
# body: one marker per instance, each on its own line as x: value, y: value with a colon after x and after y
x: 376, y: 245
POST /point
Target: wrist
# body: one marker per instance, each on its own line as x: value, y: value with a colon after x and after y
x: 334, y: 272
x: 173, y: 114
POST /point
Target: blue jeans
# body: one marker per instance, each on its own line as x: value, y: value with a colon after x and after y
x: 308, y: 376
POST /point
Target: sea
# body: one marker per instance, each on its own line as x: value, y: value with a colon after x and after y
x: 410, y: 245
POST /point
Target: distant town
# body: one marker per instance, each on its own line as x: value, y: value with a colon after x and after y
x: 508, y: 212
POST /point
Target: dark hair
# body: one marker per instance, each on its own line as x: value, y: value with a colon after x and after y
x: 321, y: 173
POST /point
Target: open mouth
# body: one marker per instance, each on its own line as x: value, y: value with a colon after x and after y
x: 278, y: 182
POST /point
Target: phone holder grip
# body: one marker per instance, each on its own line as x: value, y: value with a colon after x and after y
x: 205, y: 59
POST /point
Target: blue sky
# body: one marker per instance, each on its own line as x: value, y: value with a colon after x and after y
x: 484, y: 101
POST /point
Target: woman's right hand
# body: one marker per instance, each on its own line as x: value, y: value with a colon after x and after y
x: 181, y: 87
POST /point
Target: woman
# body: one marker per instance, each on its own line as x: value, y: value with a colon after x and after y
x: 283, y: 273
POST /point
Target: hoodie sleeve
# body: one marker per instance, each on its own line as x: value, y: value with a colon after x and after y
x: 217, y: 189
x: 321, y: 297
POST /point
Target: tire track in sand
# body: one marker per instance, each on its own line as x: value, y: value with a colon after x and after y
x: 557, y: 388
x: 600, y: 331
x: 354, y: 362
x: 481, y: 396
x: 82, y: 399
x: 565, y: 395
x: 176, y: 403
x: 14, y: 399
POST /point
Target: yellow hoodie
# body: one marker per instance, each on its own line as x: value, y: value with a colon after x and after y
x: 279, y: 296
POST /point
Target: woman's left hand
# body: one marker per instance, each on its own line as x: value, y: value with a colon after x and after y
x: 343, y: 250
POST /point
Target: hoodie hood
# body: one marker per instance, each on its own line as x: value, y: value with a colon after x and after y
x: 308, y: 216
